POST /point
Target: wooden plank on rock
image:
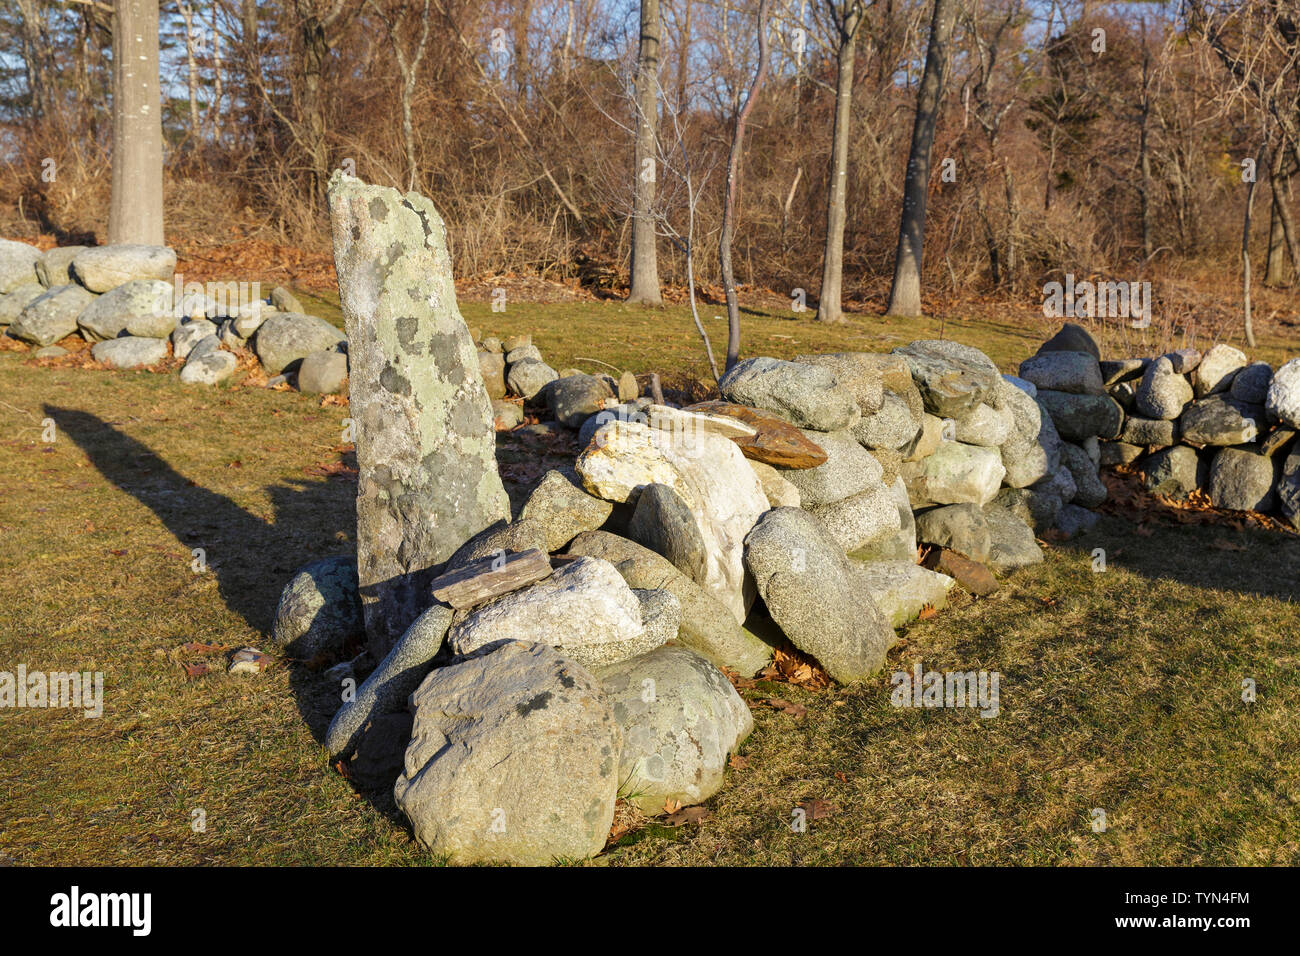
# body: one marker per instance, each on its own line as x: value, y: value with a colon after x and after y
x: 490, y: 577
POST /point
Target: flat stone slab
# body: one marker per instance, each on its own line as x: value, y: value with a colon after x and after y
x: 774, y: 442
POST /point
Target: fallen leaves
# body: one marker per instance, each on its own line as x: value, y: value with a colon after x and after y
x: 818, y: 809
x: 797, y: 711
x: 685, y: 815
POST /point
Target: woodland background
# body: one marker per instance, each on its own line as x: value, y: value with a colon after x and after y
x: 1122, y: 164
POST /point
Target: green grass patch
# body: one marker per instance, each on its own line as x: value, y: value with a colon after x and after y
x: 1119, y: 690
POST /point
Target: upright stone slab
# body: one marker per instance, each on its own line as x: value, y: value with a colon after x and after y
x: 426, y: 449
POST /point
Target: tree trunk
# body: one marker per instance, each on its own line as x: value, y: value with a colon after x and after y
x: 1245, y: 249
x: 192, y: 66
x: 135, y: 211
x: 905, y: 294
x: 252, y: 67
x: 645, y: 265
x: 729, y: 202
x: 315, y: 50
x: 1275, y: 269
x: 828, y: 308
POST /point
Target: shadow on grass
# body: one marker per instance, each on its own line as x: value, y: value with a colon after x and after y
x: 1254, y: 562
x: 242, y: 549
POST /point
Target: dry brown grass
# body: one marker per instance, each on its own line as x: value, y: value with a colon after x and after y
x: 1119, y: 690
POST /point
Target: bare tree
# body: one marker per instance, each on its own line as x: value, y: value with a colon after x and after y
x: 905, y: 293
x: 135, y: 212
x: 846, y: 16
x: 732, y: 186
x: 408, y: 63
x: 645, y: 267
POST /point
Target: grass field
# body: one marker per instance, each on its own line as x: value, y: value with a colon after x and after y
x: 1120, y: 691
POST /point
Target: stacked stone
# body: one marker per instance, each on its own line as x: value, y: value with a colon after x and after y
x: 1214, y: 422
x: 122, y: 298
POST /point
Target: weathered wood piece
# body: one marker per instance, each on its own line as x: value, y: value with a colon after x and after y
x: 482, y: 580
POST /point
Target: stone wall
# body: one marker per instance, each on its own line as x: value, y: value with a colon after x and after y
x: 1213, y: 424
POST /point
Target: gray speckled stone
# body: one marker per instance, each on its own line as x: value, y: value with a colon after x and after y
x: 584, y: 609
x: 513, y: 758
x: 817, y: 595
x: 426, y: 446
x: 51, y: 315
x: 386, y: 690
x: 706, y: 626
x: 808, y: 396
x: 681, y: 720
x: 102, y: 268
x: 319, y: 608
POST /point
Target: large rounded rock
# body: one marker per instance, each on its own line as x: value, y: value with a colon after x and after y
x: 955, y: 474
x: 962, y: 528
x: 951, y: 377
x: 1219, y: 420
x: 859, y: 521
x: 1173, y: 472
x: 1072, y: 338
x: 208, y: 366
x: 681, y: 719
x: 1033, y: 448
x: 808, y: 396
x: 663, y: 523
x: 130, y: 352
x: 986, y: 425
x: 514, y: 758
x: 710, y: 475
x: 817, y: 595
x: 17, y: 264
x: 51, y: 315
x: 585, y: 609
x: 139, y: 307
x: 575, y: 398
x: 1217, y: 369
x: 849, y: 470
x: 1164, y: 393
x: 1241, y: 479
x: 1090, y: 490
x: 1149, y: 431
x: 1080, y: 417
x: 564, y: 510
x: 1283, y: 397
x: 1011, y: 541
x: 288, y: 337
x: 323, y: 373
x: 901, y: 544
x: 189, y: 334
x: 706, y: 625
x: 903, y: 589
x: 320, y: 609
x: 1075, y: 372
x: 529, y: 376
x: 12, y: 304
x: 104, y: 268
x: 52, y: 268
x: 1251, y: 383
x: 894, y: 425
x: 859, y: 372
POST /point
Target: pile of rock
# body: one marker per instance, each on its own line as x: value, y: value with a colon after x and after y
x: 578, y: 650
x: 1214, y: 422
x: 123, y: 298
x: 512, y: 365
